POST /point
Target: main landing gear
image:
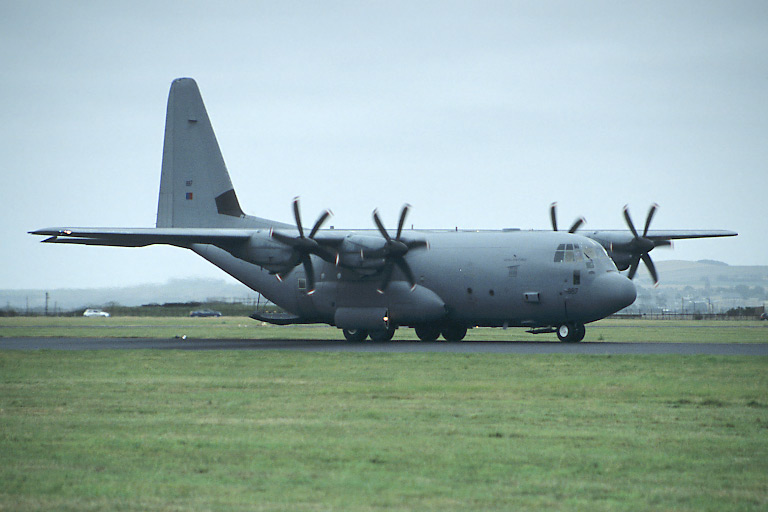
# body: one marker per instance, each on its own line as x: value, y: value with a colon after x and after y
x: 426, y: 332
x: 360, y: 334
x: 450, y: 332
x: 355, y: 334
x: 571, y: 333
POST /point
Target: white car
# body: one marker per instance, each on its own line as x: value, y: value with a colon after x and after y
x: 95, y: 312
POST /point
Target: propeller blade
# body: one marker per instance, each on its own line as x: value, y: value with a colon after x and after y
x: 297, y: 216
x: 319, y: 222
x: 633, y: 268
x: 416, y: 244
x: 651, y: 213
x: 406, y: 269
x: 553, y: 215
x: 282, y: 275
x: 403, y: 214
x: 629, y: 222
x: 576, y: 225
x: 326, y: 254
x: 287, y: 240
x: 379, y: 225
x: 387, y: 276
x: 310, y: 272
x: 651, y: 267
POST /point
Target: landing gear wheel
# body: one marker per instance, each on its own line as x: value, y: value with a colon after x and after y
x: 454, y: 332
x: 571, y: 333
x: 384, y: 335
x: 427, y: 332
x: 580, y: 332
x: 355, y: 334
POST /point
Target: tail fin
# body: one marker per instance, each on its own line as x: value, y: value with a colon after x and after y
x: 195, y: 189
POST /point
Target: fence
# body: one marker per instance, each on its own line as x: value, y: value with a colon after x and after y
x: 686, y: 316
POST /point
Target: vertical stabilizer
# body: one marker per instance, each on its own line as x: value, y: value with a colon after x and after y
x: 195, y: 189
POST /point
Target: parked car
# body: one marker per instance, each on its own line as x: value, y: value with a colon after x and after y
x: 95, y: 312
x: 205, y: 312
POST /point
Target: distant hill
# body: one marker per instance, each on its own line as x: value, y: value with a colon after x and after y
x: 694, y: 273
x: 175, y: 290
x: 701, y: 286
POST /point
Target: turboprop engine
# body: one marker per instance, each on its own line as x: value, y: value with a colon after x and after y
x: 261, y: 249
x: 353, y: 250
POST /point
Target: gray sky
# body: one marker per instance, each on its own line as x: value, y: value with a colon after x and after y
x: 479, y: 114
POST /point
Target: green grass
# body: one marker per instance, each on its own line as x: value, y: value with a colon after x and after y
x: 175, y: 430
x: 246, y: 328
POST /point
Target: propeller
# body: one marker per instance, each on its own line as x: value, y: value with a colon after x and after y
x: 553, y: 215
x: 304, y: 246
x: 394, y: 250
x: 641, y: 246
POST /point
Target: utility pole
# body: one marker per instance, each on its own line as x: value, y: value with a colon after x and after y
x: 47, y: 296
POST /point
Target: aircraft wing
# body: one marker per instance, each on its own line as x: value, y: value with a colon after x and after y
x: 620, y: 235
x: 179, y: 237
x: 141, y: 237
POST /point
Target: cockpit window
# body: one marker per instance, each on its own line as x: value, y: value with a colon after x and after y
x: 568, y: 253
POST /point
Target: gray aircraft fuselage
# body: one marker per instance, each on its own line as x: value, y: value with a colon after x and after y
x: 504, y: 278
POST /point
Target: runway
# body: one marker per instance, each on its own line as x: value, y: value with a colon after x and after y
x: 473, y: 347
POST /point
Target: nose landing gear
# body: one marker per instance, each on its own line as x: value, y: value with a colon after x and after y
x: 571, y: 333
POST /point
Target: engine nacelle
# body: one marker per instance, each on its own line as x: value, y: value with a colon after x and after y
x: 352, y: 252
x: 266, y: 252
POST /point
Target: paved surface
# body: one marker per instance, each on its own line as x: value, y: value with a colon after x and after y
x: 496, y: 347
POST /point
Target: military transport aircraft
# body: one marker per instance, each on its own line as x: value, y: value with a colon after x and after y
x: 370, y: 282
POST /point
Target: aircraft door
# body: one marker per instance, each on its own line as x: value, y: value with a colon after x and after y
x: 570, y: 259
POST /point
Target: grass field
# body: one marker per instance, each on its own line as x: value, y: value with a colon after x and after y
x: 230, y: 430
x: 246, y: 328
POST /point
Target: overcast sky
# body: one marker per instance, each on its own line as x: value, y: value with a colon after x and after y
x: 479, y: 114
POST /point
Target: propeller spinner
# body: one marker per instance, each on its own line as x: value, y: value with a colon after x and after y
x: 641, y: 245
x: 394, y: 250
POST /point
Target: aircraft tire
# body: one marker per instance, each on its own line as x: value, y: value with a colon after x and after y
x: 384, y: 335
x: 355, y: 334
x: 571, y: 333
x: 427, y: 332
x: 454, y: 332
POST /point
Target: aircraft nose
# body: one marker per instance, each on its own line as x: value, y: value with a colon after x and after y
x: 619, y: 291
